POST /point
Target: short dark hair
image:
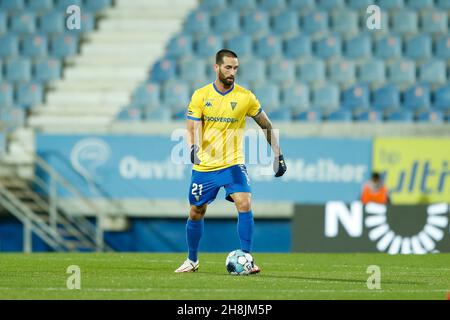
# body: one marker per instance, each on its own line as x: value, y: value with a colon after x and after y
x: 376, y: 176
x: 224, y: 53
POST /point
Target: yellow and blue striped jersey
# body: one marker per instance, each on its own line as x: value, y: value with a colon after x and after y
x: 223, y: 118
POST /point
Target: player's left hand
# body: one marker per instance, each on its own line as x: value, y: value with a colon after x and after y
x: 279, y: 166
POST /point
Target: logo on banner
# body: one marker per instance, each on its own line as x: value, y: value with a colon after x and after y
x: 88, y: 155
x: 381, y: 232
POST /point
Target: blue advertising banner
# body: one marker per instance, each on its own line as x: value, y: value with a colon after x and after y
x: 156, y: 167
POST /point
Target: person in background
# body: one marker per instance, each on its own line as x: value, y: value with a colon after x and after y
x: 375, y: 191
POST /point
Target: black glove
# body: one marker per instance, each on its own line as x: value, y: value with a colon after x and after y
x: 279, y: 166
x: 194, y: 157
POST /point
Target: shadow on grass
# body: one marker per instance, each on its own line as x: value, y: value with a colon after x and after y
x: 324, y: 279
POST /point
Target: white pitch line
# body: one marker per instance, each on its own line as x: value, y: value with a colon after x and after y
x: 222, y: 290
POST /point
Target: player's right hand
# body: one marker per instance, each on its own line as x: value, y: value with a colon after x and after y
x: 194, y: 156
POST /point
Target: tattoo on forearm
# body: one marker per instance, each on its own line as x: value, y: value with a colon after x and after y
x: 263, y: 121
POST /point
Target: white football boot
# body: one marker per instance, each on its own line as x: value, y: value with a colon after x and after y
x: 188, y: 266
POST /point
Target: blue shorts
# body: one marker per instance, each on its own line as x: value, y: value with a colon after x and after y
x: 205, y: 185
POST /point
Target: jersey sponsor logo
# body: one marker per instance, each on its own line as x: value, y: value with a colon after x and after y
x: 220, y: 119
x: 233, y: 105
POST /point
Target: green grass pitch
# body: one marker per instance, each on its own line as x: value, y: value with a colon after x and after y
x: 284, y: 276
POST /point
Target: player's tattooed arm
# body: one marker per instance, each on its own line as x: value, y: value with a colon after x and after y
x: 264, y: 122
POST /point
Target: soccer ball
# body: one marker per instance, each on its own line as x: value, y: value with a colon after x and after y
x: 239, y: 263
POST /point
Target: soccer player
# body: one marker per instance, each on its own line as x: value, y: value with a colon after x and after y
x: 215, y: 128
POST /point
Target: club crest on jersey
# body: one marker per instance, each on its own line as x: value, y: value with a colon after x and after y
x: 233, y: 105
x: 208, y: 103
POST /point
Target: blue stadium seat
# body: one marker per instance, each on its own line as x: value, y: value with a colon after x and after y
x: 400, y: 116
x: 358, y: 47
x: 312, y: 71
x: 443, y: 4
x: 433, y: 72
x: 29, y: 95
x: 281, y: 71
x: 315, y: 23
x: 281, y: 114
x: 3, y: 23
x: 339, y: 116
x: 298, y: 46
x: 252, y: 70
x: 419, y: 4
x: 197, y: 22
x: 359, y: 4
x: 272, y: 5
x: 342, y: 72
x: 369, y: 116
x: 179, y: 46
x: 330, y: 4
x: 176, y: 95
x: 34, y: 46
x: 192, y: 69
x: 344, y: 22
x: 326, y: 97
x: 1, y: 71
x: 243, y: 5
x: 328, y: 47
x: 433, y: 21
x: 386, y: 97
x: 147, y: 94
x: 199, y: 83
x: 207, y: 46
x: 226, y: 22
x: 402, y: 72
x: 296, y: 97
x: 47, y: 70
x: 309, y: 116
x: 64, y: 4
x: 52, y: 22
x: 268, y: 47
x: 356, y: 98
x: 97, y: 5
x: 13, y: 117
x: 161, y: 114
x: 301, y: 4
x: 430, y: 116
x: 87, y: 24
x: 6, y: 95
x: 129, y: 114
x: 23, y: 23
x: 385, y: 20
x: 18, y: 70
x: 387, y: 5
x: 212, y: 5
x: 418, y: 47
x: 9, y: 46
x: 417, y: 97
x: 388, y: 47
x: 443, y: 47
x: 268, y: 95
x: 372, y: 71
x: 404, y: 21
x: 255, y: 23
x: 39, y: 5
x: 442, y: 98
x: 241, y: 44
x: 286, y: 22
x: 12, y: 5
x: 163, y: 70
x: 63, y: 46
